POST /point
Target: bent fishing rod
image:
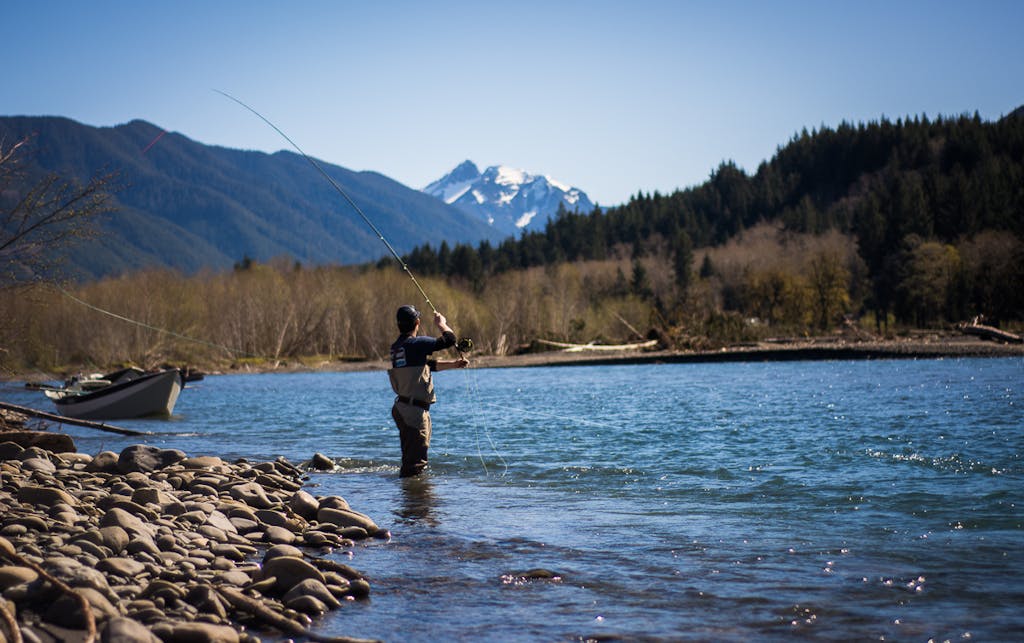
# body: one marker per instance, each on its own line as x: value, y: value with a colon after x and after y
x: 464, y: 344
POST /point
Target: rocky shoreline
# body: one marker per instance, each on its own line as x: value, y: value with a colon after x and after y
x: 153, y: 545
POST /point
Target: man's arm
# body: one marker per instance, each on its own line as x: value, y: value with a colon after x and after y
x: 442, y: 323
x: 446, y: 365
x: 447, y: 338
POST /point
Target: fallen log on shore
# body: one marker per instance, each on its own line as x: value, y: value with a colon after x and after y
x: 989, y: 332
x: 60, y: 419
x: 578, y: 348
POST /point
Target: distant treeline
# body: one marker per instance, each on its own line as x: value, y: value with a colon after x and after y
x: 912, y: 194
x: 285, y: 312
x: 866, y: 230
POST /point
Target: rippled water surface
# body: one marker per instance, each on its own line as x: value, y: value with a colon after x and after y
x: 832, y: 500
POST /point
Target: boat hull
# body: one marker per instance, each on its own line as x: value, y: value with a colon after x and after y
x: 153, y: 394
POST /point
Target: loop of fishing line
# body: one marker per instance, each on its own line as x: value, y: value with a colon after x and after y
x: 474, y: 393
x: 552, y: 416
x: 150, y: 326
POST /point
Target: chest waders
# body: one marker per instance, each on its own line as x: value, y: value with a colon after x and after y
x: 414, y: 391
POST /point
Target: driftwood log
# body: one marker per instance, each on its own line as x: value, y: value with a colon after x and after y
x: 7, y: 551
x: 989, y: 332
x: 60, y: 419
x: 11, y: 625
x: 269, y: 617
x: 578, y: 348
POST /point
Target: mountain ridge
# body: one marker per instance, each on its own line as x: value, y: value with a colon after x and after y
x: 185, y: 205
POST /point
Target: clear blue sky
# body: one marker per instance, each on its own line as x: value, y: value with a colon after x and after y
x: 612, y: 97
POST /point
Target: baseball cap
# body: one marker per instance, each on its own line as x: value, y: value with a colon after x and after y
x: 407, y: 314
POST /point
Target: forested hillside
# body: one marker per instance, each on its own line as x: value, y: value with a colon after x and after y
x: 180, y: 204
x: 935, y: 207
x: 874, y: 229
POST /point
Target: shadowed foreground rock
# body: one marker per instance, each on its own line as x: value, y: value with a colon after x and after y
x: 151, y: 545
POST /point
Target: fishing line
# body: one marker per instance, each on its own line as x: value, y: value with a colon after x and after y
x: 474, y: 393
x: 463, y: 345
x: 150, y: 326
x: 337, y: 187
x: 476, y: 429
x: 487, y: 432
x: 154, y: 141
x: 552, y: 416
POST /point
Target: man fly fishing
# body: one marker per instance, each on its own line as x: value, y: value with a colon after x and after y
x: 410, y: 369
x: 410, y: 376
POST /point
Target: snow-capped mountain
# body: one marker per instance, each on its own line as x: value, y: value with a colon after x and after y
x: 509, y: 199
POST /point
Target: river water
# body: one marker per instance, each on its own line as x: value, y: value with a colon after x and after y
x: 829, y: 500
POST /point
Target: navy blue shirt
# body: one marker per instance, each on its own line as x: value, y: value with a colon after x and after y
x: 413, y: 351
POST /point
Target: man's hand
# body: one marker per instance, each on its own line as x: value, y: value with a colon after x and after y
x: 442, y: 323
x: 447, y: 365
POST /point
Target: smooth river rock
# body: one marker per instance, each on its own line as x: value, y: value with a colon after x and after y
x: 290, y: 571
x: 122, y: 629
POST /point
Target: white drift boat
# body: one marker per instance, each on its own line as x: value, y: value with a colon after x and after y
x: 128, y: 393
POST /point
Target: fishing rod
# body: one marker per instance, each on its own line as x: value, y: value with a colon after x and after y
x: 462, y: 345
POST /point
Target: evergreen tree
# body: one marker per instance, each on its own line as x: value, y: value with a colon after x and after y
x: 707, y: 269
x: 465, y: 263
x: 640, y: 284
x: 683, y: 263
x: 444, y: 256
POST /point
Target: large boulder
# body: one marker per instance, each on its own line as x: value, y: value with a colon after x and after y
x: 11, y: 575
x: 145, y: 458
x: 251, y: 494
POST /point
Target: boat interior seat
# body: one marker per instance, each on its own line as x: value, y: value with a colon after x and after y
x: 93, y: 385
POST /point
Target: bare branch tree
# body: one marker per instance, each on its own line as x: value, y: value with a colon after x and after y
x: 40, y: 218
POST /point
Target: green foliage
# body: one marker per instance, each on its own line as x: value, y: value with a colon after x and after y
x: 683, y: 263
x: 639, y: 284
x: 707, y: 269
x: 945, y: 180
x: 829, y: 284
x: 927, y: 281
x: 779, y: 298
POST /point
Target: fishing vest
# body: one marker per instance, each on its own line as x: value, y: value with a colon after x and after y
x: 413, y: 383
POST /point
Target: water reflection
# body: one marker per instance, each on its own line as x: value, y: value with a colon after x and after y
x: 419, y: 503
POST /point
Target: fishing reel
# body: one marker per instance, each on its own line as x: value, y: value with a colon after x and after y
x: 464, y: 345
